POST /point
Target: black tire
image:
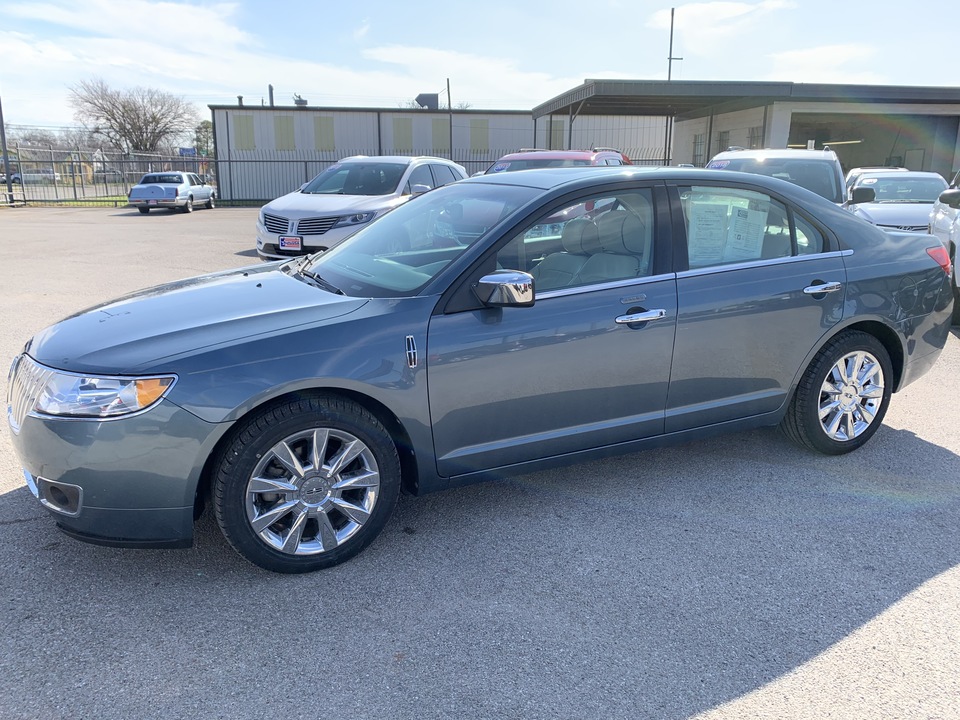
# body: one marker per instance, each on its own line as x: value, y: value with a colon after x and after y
x: 298, y: 495
x: 188, y: 207
x: 211, y: 202
x: 143, y: 210
x: 802, y: 423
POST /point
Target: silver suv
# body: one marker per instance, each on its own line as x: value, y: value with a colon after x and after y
x: 816, y: 170
x: 945, y: 224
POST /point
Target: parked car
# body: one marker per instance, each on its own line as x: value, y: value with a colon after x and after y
x: 854, y: 173
x: 343, y: 198
x: 174, y: 190
x: 817, y: 170
x: 537, y: 158
x: 472, y: 333
x: 108, y: 175
x: 944, y: 223
x: 896, y: 200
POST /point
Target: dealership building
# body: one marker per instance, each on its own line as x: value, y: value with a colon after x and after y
x: 265, y: 150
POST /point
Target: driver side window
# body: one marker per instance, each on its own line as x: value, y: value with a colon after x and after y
x: 596, y: 240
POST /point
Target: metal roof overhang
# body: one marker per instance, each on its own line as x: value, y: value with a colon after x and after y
x: 689, y: 99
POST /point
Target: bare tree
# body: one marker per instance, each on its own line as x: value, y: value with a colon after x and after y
x: 203, y: 138
x: 135, y: 120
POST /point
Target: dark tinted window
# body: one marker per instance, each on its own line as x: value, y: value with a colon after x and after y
x: 444, y: 174
x: 357, y: 178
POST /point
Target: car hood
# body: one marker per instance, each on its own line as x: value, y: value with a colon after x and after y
x: 299, y: 205
x: 898, y: 214
x: 141, y: 329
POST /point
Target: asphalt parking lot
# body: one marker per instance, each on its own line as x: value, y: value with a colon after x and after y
x: 735, y: 578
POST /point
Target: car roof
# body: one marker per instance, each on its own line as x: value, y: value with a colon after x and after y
x: 779, y: 153
x: 403, y: 159
x: 559, y: 154
x: 926, y: 175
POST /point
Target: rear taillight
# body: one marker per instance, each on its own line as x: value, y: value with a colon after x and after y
x: 941, y: 257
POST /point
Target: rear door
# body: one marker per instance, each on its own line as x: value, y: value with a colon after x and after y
x: 750, y: 304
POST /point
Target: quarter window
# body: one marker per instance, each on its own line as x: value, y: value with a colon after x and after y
x: 443, y: 174
x: 596, y: 240
x: 420, y: 176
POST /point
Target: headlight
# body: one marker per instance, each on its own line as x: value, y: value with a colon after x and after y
x: 90, y: 396
x: 357, y: 219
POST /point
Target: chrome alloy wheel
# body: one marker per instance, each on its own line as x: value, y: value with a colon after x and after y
x: 851, y: 396
x: 312, y: 491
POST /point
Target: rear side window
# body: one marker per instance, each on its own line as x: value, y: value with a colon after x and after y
x: 732, y: 225
x: 443, y: 174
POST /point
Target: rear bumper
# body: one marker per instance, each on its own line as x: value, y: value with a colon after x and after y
x: 156, y: 202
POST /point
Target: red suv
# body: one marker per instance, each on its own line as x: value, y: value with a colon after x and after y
x: 527, y: 159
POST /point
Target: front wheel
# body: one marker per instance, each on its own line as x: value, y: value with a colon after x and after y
x: 307, y: 484
x: 843, y: 395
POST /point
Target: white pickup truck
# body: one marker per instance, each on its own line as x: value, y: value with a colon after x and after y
x: 945, y: 224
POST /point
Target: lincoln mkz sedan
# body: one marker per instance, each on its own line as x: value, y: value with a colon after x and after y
x: 496, y: 325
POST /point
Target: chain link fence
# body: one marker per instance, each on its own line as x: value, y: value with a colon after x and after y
x: 51, y: 176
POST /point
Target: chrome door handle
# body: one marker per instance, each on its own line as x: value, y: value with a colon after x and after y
x: 641, y: 317
x: 824, y: 288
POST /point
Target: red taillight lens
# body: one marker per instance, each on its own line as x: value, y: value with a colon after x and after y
x: 940, y: 255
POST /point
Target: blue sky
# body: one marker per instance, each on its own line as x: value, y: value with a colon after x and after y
x: 497, y: 54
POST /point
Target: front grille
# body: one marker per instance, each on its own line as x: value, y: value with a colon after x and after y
x: 276, y: 224
x: 905, y: 228
x: 27, y: 380
x: 315, y: 226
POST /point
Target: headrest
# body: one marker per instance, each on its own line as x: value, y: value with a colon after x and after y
x: 579, y: 237
x: 621, y: 233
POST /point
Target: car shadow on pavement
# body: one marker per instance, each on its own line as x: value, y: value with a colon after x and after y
x: 659, y: 584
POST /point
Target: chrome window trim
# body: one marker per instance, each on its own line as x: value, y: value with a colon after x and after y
x: 628, y: 282
x: 711, y: 269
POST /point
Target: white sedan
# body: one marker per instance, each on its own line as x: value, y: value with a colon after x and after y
x: 172, y: 189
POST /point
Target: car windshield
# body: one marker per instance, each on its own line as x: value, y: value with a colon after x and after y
x: 904, y: 190
x: 816, y: 176
x: 357, y: 178
x: 147, y: 179
x: 399, y: 253
x: 531, y: 163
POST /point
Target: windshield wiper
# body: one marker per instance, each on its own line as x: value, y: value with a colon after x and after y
x: 329, y: 287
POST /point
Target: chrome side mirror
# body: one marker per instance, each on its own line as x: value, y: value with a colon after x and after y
x: 506, y: 288
x: 419, y: 189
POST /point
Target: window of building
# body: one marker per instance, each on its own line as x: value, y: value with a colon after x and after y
x: 723, y: 140
x: 403, y: 134
x: 283, y: 133
x: 243, y: 132
x: 755, y: 137
x: 323, y: 135
x: 441, y: 135
x: 699, y: 150
x: 479, y: 134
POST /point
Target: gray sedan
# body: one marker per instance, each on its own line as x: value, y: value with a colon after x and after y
x: 493, y: 326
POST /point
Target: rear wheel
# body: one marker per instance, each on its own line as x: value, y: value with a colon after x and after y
x: 842, y: 396
x: 307, y: 484
x: 188, y: 208
x: 211, y: 202
x: 143, y: 210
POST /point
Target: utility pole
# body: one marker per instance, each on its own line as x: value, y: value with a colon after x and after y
x: 450, y: 113
x: 670, y: 57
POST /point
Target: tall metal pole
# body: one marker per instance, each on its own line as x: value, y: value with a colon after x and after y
x: 670, y: 57
x: 450, y: 111
x: 668, y: 124
x: 6, y: 158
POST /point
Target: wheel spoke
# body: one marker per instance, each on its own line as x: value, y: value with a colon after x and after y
x: 284, y: 453
x: 850, y: 426
x: 270, y: 485
x: 872, y: 392
x: 867, y: 413
x: 327, y: 535
x: 827, y: 408
x: 292, y: 541
x: 368, y: 479
x: 321, y: 437
x: 348, y: 453
x: 868, y: 373
x: 354, y: 512
x: 835, y: 425
x: 262, y: 522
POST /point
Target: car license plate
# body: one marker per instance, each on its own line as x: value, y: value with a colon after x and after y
x: 153, y: 202
x: 291, y: 243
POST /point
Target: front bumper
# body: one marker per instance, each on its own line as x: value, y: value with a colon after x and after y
x: 268, y: 244
x: 126, y: 482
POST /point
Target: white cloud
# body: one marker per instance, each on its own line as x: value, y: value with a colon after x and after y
x: 709, y: 28
x: 843, y: 64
